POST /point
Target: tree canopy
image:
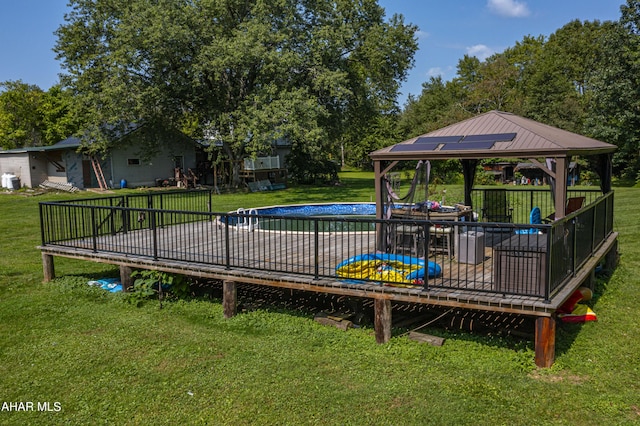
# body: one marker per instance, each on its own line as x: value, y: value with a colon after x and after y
x: 32, y: 117
x: 246, y: 73
x: 583, y: 78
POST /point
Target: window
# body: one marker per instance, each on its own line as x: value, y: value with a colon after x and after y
x: 133, y: 161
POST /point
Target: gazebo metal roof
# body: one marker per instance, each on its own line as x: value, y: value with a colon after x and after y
x: 494, y: 134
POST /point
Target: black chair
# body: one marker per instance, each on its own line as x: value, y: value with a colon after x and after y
x: 495, y: 207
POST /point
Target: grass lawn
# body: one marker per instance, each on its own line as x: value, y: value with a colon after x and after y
x: 97, y: 359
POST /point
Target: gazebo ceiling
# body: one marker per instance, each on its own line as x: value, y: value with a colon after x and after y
x: 494, y: 134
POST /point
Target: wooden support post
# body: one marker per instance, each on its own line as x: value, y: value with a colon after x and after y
x: 48, y: 267
x: 125, y: 277
x: 382, y: 321
x: 611, y: 258
x: 229, y: 298
x: 545, y: 341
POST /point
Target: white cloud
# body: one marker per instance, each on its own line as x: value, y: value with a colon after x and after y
x: 422, y: 34
x: 509, y: 8
x: 435, y: 72
x: 480, y: 51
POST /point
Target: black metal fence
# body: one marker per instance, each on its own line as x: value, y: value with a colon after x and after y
x: 520, y: 201
x: 495, y: 258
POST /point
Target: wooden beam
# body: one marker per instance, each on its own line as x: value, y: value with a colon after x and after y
x: 543, y: 167
x: 125, y: 277
x: 389, y: 168
x: 48, y: 267
x: 426, y: 338
x: 611, y: 258
x: 229, y: 298
x: 382, y: 321
x: 545, y: 341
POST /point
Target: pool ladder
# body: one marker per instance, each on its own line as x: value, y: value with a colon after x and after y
x: 248, y: 221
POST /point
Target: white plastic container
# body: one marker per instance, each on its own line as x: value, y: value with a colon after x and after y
x: 8, y: 180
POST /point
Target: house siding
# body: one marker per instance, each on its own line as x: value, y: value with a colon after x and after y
x: 16, y: 164
x: 160, y: 166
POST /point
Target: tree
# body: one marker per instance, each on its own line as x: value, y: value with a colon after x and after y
x: 31, y: 117
x: 614, y: 113
x: 243, y: 72
x: 20, y: 121
x: 495, y: 86
x: 438, y: 105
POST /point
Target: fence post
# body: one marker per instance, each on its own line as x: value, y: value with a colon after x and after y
x: 574, y: 244
x: 531, y: 201
x: 227, y: 244
x: 112, y: 219
x: 94, y: 230
x: 316, y: 254
x: 42, y: 234
x: 425, y: 229
x: 125, y: 214
x: 154, y: 229
x: 594, y: 222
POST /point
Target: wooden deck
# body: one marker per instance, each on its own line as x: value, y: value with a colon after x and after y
x: 306, y: 261
x: 287, y: 259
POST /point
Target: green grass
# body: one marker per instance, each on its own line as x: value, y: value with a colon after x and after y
x: 108, y: 362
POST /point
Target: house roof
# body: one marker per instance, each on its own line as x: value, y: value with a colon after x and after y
x: 531, y: 166
x: 494, y: 134
x: 71, y: 142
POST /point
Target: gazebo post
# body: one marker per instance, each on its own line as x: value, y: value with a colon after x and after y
x: 560, y: 195
x: 377, y: 168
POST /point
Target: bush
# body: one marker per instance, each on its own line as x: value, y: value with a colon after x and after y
x: 303, y: 168
x: 151, y: 284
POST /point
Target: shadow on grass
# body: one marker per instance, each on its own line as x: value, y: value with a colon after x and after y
x: 566, y: 332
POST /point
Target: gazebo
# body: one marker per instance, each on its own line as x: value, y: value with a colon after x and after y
x: 498, y: 134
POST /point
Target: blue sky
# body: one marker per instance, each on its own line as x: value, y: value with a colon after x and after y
x: 448, y: 30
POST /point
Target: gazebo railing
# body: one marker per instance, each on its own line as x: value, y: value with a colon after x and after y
x: 522, y: 199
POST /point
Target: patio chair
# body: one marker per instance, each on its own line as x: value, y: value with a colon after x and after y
x: 573, y: 204
x: 535, y: 218
x: 408, y: 238
x: 495, y: 207
x: 441, y: 240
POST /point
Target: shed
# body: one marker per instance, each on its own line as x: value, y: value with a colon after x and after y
x: 128, y: 160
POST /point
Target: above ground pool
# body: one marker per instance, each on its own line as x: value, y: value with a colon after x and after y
x: 334, y: 217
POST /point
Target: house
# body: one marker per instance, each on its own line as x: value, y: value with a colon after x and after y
x: 130, y: 162
x: 502, y: 172
x: 533, y: 173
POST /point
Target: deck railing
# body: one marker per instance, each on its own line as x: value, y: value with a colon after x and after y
x: 520, y: 200
x: 495, y: 258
